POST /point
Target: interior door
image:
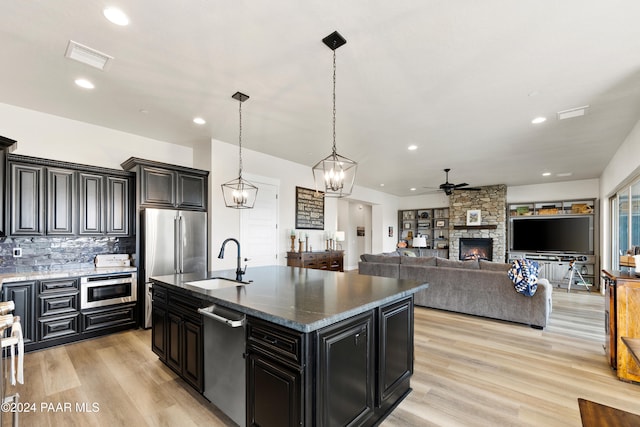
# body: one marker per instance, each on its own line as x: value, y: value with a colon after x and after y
x: 259, y: 227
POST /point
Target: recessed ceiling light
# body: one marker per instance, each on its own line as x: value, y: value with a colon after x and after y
x: 143, y: 111
x: 84, y: 83
x: 199, y: 121
x: 413, y: 189
x: 564, y: 174
x: 546, y: 174
x: 381, y: 185
x: 539, y: 120
x: 116, y: 16
x: 412, y: 147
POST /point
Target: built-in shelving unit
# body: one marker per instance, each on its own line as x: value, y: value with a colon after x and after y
x: 556, y: 265
x: 432, y: 223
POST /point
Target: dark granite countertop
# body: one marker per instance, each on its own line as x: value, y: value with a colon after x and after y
x: 57, y: 274
x: 298, y: 298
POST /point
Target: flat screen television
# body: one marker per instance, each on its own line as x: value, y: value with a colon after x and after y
x: 567, y: 234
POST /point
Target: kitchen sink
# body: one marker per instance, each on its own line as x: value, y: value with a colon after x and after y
x: 216, y: 283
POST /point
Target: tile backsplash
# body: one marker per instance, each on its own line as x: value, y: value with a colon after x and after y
x: 59, y: 253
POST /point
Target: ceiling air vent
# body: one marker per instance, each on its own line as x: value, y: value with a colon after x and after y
x: 572, y: 112
x: 88, y: 56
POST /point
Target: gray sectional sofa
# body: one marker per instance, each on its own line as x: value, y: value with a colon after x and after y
x: 480, y: 288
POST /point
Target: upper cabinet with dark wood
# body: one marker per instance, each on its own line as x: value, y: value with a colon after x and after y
x: 162, y: 185
x: 5, y: 146
x: 55, y: 198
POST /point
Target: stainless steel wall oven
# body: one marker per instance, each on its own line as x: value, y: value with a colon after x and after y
x: 108, y: 289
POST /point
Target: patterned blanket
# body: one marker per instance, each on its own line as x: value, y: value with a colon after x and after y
x: 524, y: 275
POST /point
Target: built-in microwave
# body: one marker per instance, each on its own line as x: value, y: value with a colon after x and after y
x: 108, y: 289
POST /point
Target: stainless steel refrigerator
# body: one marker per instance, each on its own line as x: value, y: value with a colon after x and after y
x: 173, y: 242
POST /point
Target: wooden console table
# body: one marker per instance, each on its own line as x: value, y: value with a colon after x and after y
x: 320, y: 260
x: 622, y: 308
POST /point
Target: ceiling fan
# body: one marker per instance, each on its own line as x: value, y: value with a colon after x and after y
x: 449, y: 187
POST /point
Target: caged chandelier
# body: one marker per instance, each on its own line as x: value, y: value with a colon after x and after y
x: 335, y: 174
x: 239, y: 193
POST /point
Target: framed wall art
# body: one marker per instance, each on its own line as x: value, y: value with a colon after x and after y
x: 309, y: 209
x: 474, y: 217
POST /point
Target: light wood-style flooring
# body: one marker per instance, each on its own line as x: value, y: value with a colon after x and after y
x: 469, y: 371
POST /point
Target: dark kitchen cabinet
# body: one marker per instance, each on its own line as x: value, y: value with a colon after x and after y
x: 176, y: 331
x: 163, y: 185
x: 346, y: 372
x: 61, y: 201
x: 6, y: 145
x: 395, y: 364
x: 26, y: 199
x: 54, y: 198
x: 23, y: 294
x: 351, y: 373
x: 104, y: 205
x: 91, y: 200
x: 58, y: 308
x: 275, y: 381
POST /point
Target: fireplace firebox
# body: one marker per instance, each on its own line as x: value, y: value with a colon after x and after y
x: 476, y: 248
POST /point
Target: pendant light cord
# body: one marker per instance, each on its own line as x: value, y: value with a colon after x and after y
x: 334, y: 99
x: 240, y: 140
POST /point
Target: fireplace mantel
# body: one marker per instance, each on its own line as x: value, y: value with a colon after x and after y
x: 475, y: 227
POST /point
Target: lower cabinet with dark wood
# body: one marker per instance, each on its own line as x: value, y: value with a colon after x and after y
x: 176, y: 331
x: 353, y: 372
x: 50, y: 312
x: 320, y: 260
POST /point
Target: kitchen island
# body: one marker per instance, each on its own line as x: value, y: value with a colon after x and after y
x: 322, y: 348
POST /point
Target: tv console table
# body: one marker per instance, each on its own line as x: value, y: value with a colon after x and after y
x: 319, y: 260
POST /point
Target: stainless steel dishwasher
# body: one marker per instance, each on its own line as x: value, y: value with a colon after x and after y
x: 224, y: 363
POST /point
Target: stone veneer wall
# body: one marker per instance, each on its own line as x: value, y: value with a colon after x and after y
x: 59, y: 253
x: 492, y: 202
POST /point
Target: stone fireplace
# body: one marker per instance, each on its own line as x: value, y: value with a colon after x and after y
x: 492, y: 203
x: 476, y: 248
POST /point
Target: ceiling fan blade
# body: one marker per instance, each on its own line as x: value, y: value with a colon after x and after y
x: 472, y: 189
x: 464, y: 184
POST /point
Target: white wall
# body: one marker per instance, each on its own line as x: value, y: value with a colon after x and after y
x: 567, y: 190
x: 52, y: 137
x: 623, y: 167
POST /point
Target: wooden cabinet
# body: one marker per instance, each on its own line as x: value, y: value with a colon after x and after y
x: 275, y: 362
x: 622, y: 310
x: 58, y: 308
x: 26, y: 199
x: 328, y: 260
x: 23, y: 294
x: 432, y: 224
x: 61, y: 202
x: 55, y: 198
x: 104, y: 205
x: 395, y: 362
x: 176, y: 332
x: 346, y: 372
x: 350, y: 373
x: 5, y: 145
x: 163, y: 185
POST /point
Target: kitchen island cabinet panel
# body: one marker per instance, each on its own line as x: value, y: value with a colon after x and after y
x: 273, y: 385
x: 346, y: 372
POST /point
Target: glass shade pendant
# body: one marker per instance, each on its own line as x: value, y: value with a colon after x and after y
x: 239, y: 193
x: 335, y: 174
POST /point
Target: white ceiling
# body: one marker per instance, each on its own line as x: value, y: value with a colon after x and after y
x: 461, y: 79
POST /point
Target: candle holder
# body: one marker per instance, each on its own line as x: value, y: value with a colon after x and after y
x: 300, y: 245
x: 293, y: 243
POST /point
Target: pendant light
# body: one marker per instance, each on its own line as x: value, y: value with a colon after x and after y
x: 335, y: 174
x: 239, y: 193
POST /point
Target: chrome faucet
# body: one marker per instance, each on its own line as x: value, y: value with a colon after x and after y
x: 239, y: 270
